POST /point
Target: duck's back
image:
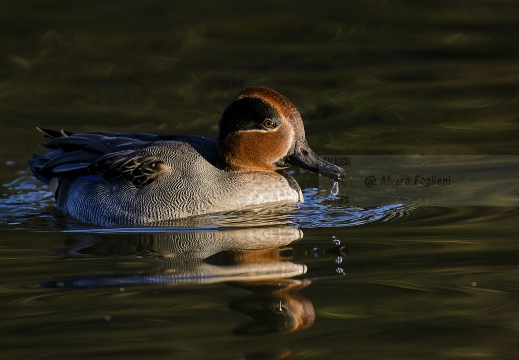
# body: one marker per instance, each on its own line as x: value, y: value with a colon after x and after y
x: 139, y: 178
x: 125, y: 199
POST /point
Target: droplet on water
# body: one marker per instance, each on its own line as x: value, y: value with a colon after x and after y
x: 278, y: 308
x: 335, y: 188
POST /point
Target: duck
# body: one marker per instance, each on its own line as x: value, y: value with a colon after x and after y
x: 138, y: 178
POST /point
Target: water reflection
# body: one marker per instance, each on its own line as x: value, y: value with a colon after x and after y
x: 258, y: 260
x: 186, y: 256
x: 274, y: 307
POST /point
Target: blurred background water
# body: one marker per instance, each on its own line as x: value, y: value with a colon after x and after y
x: 323, y: 279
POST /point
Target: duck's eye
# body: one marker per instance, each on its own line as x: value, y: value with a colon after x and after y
x: 269, y: 124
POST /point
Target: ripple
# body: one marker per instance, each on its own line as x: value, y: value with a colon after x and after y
x: 25, y: 197
x: 27, y: 201
x: 317, y: 212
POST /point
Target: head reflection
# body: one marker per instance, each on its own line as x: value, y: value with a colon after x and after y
x: 274, y: 307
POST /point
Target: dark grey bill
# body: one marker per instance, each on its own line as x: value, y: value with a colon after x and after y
x: 307, y: 159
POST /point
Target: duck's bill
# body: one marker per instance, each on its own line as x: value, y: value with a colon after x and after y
x: 307, y: 159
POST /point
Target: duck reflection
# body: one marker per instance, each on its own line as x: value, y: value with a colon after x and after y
x: 185, y: 256
x: 258, y: 260
x: 274, y: 307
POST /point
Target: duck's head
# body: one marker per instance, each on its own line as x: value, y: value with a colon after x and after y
x: 261, y: 130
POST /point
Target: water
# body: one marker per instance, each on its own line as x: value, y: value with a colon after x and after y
x: 335, y: 188
x: 409, y: 277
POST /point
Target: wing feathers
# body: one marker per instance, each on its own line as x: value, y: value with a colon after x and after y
x: 110, y: 155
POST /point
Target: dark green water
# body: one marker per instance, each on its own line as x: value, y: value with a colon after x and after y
x: 428, y: 278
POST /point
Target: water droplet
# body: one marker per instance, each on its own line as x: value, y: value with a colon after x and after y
x: 121, y: 289
x: 340, y: 271
x: 335, y: 188
x: 336, y: 242
x: 108, y: 318
x: 278, y: 308
x: 338, y: 260
x: 474, y: 283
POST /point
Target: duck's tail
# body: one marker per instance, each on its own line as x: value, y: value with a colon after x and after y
x: 38, y: 161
